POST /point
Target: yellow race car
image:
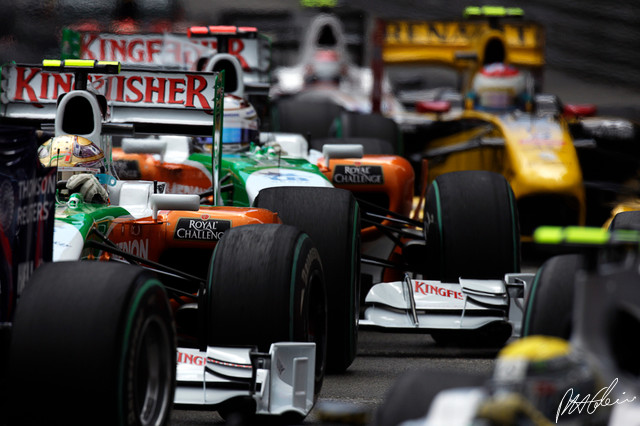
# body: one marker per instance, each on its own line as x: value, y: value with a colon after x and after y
x: 479, y: 105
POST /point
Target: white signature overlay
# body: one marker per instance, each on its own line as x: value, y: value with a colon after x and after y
x: 589, y: 403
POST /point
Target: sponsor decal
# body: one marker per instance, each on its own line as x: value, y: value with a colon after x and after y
x: 32, y: 208
x: 540, y: 134
x: 25, y: 270
x: 163, y: 50
x: 186, y: 90
x: 542, y: 141
x: 136, y: 247
x: 357, y: 174
x: 187, y: 358
x: 284, y: 176
x: 200, y: 360
x: 460, y: 34
x: 201, y: 229
x: 425, y: 288
x: 548, y: 157
x: 141, y: 49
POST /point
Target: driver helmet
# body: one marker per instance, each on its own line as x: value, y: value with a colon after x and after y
x: 326, y: 66
x: 532, y: 377
x: 241, y: 127
x: 499, y: 87
x: 72, y: 155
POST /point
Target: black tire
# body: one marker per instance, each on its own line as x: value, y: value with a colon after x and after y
x: 626, y: 220
x: 549, y: 301
x: 93, y: 342
x: 311, y: 118
x: 471, y: 223
x: 352, y: 124
x: 266, y: 285
x: 331, y: 217
x: 370, y: 146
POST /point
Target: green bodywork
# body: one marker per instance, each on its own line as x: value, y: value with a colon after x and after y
x: 88, y: 218
x: 236, y: 169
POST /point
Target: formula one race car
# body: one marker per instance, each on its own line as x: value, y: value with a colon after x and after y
x: 254, y: 172
x: 575, y: 364
x: 325, y: 70
x: 190, y: 51
x: 494, y: 115
x: 474, y: 239
x: 448, y: 80
x: 188, y: 165
x: 250, y: 316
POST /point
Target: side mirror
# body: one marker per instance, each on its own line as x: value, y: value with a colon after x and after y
x: 438, y: 107
x: 579, y: 110
x: 342, y: 151
x: 189, y: 202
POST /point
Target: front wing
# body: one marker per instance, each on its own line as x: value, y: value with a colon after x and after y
x: 433, y: 305
x: 281, y: 381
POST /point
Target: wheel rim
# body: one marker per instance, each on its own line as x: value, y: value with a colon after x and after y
x: 317, y: 325
x: 152, y: 380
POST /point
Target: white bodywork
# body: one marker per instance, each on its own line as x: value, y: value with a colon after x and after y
x: 67, y: 242
x: 276, y: 176
x: 281, y: 381
x: 433, y: 305
x: 352, y: 92
x: 294, y: 144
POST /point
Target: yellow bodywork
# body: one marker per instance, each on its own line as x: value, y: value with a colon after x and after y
x: 535, y: 154
x: 463, y: 44
x: 629, y: 205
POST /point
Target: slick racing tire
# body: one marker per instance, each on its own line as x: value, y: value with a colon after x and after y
x: 626, y: 220
x: 312, y: 118
x: 331, y: 217
x: 93, y: 343
x: 353, y: 124
x: 549, y: 300
x: 471, y: 224
x: 265, y: 286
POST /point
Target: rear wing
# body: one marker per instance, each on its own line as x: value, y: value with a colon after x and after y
x: 140, y: 50
x: 486, y: 35
x: 153, y: 101
x: 93, y: 99
x: 175, y: 51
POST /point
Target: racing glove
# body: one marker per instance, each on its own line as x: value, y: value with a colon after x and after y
x: 89, y: 186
